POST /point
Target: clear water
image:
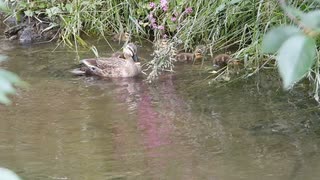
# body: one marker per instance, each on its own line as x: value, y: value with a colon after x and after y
x: 66, y: 127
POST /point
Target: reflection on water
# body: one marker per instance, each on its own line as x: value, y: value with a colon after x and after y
x: 67, y: 127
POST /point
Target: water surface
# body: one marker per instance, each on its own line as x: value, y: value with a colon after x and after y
x: 67, y: 127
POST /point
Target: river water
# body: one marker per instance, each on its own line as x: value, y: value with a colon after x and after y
x: 82, y: 128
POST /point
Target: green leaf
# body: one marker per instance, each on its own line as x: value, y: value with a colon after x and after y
x: 3, y: 6
x: 312, y: 20
x: 294, y: 11
x: 69, y: 8
x: 28, y: 13
x: 4, y: 99
x: 296, y: 57
x: 6, y: 86
x: 273, y: 40
x: 53, y: 11
x: 220, y: 8
x: 3, y: 57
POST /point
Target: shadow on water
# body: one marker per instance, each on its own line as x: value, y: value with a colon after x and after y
x: 67, y: 127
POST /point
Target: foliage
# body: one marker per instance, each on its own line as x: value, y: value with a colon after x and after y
x: 8, y: 174
x: 295, y: 46
x: 7, y: 82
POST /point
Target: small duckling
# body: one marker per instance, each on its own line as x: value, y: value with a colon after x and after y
x: 120, y: 54
x: 200, y: 51
x: 161, y: 43
x: 121, y: 37
x: 188, y: 57
x: 223, y: 60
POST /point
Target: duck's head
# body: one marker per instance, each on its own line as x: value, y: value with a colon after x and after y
x: 130, y: 51
x: 200, y: 51
x: 92, y: 68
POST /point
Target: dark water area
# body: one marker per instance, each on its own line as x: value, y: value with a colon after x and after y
x: 67, y: 127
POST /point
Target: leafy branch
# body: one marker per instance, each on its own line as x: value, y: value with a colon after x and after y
x: 295, y: 46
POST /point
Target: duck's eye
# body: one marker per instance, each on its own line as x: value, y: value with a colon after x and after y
x: 93, y: 68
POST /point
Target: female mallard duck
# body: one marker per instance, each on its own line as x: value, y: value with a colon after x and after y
x: 121, y: 37
x: 190, y: 57
x: 113, y: 66
x: 118, y: 54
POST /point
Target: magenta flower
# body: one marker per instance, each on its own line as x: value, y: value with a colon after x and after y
x: 154, y: 26
x: 165, y: 8
x: 151, y: 19
x: 152, y: 5
x: 188, y: 10
x: 173, y: 18
x: 165, y: 36
x: 164, y: 5
x: 161, y: 27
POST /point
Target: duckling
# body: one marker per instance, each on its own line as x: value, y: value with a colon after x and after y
x: 161, y: 43
x: 223, y: 60
x: 121, y: 37
x: 188, y: 57
x: 119, y: 54
x: 114, y: 67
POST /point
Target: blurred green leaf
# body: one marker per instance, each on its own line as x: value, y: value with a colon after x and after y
x: 312, y: 20
x: 6, y: 86
x: 273, y: 40
x: 220, y: 8
x: 4, y: 99
x: 294, y: 11
x: 28, y: 13
x: 6, y: 174
x: 13, y: 78
x: 69, y: 8
x: 3, y: 6
x: 296, y: 57
x: 7, y: 82
x: 53, y: 11
x: 3, y: 58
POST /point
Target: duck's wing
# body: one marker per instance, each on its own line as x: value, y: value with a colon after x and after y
x: 110, y: 63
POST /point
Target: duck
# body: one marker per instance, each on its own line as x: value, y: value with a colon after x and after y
x: 118, y: 54
x: 113, y: 67
x: 223, y: 60
x: 200, y: 50
x: 121, y: 37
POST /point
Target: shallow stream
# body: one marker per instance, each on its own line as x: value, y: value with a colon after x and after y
x: 78, y: 128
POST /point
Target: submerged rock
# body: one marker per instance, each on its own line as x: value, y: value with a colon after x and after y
x: 26, y: 36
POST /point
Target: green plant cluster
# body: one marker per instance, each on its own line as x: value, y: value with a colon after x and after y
x: 296, y: 46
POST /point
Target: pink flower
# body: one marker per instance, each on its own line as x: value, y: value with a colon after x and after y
x: 161, y: 27
x: 164, y: 5
x: 188, y: 10
x: 152, y: 5
x: 165, y: 8
x: 154, y: 26
x: 151, y: 19
x: 165, y: 36
x: 173, y: 18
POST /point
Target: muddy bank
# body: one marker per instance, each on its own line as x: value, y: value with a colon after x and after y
x: 29, y: 30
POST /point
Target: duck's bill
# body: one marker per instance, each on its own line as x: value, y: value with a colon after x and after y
x: 78, y: 72
x: 198, y: 55
x: 135, y: 58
